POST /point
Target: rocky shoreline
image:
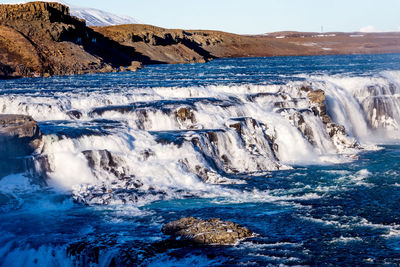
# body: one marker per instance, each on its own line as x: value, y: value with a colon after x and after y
x: 46, y: 40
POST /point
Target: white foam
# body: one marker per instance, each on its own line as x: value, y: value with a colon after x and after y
x: 346, y: 240
x: 299, y: 137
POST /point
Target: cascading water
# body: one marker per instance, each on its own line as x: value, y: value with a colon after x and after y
x: 110, y: 140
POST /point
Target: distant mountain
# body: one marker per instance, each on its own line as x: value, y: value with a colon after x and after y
x: 93, y: 17
x: 96, y: 17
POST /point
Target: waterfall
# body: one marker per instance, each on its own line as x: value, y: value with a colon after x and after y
x: 148, y: 144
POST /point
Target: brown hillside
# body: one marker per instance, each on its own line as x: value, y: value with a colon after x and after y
x: 51, y: 42
x: 214, y: 44
x: 42, y: 39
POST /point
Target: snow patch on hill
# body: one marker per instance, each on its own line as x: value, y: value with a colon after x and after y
x: 93, y: 17
x: 96, y: 17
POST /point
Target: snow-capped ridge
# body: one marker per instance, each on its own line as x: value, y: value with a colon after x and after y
x: 96, y: 17
x: 93, y: 16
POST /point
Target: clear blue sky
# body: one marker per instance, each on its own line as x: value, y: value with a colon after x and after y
x: 257, y: 16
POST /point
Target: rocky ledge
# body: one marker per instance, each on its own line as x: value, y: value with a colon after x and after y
x: 206, y: 232
x: 20, y: 136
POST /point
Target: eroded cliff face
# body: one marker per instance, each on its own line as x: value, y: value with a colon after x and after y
x: 157, y: 44
x: 173, y: 46
x: 42, y: 39
x: 34, y: 11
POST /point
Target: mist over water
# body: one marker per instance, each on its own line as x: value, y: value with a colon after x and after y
x: 238, y: 139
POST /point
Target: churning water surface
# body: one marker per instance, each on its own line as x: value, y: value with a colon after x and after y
x: 235, y: 139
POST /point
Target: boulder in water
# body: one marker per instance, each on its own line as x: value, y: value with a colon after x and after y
x: 207, y: 232
x: 74, y: 114
x: 184, y: 114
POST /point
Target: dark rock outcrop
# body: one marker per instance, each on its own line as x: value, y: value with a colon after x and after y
x: 20, y: 136
x: 104, y: 160
x: 74, y: 114
x: 158, y: 45
x: 336, y: 132
x: 184, y: 114
x: 206, y: 232
x: 317, y: 96
x: 237, y: 126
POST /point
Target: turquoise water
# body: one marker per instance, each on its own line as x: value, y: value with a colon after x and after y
x: 343, y: 214
x: 314, y: 214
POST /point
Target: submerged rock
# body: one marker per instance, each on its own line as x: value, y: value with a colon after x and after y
x: 74, y: 114
x: 207, y: 232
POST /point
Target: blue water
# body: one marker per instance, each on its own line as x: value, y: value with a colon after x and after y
x: 274, y: 70
x: 343, y: 214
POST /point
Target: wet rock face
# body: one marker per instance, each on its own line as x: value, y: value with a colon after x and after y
x: 184, y: 114
x: 104, y: 160
x: 206, y: 232
x: 317, y: 96
x: 337, y: 133
x: 74, y: 114
x: 237, y: 127
x: 19, y: 137
x: 91, y: 249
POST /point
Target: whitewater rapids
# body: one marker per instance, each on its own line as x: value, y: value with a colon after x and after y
x: 138, y: 145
